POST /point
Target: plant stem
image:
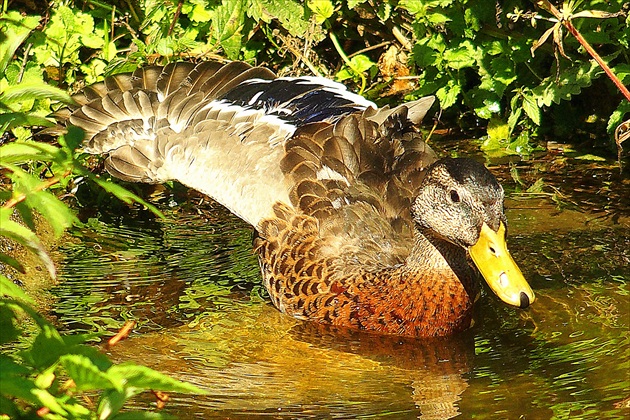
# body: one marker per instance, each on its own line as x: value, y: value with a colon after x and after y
x: 346, y: 60
x: 593, y: 53
x: 45, y: 184
x: 566, y: 21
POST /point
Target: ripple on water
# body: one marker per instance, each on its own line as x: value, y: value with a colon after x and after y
x: 193, y: 284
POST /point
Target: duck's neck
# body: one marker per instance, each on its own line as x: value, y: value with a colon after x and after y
x: 449, y: 259
x: 431, y: 294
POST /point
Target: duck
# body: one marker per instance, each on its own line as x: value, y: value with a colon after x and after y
x: 357, y: 222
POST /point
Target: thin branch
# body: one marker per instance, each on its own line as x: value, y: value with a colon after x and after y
x: 14, y: 201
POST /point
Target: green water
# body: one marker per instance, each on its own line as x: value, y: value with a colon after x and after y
x: 192, y: 283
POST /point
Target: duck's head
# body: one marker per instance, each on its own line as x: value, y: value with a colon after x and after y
x: 461, y: 201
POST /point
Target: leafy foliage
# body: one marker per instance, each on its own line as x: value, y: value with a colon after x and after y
x: 482, y: 60
x: 55, y: 370
x: 33, y: 381
x: 505, y: 67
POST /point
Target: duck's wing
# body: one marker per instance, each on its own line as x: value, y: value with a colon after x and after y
x: 358, y: 178
x: 224, y: 129
x: 218, y: 128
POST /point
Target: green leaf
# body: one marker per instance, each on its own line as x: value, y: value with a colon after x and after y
x: 26, y: 213
x: 18, y: 387
x: 199, y: 12
x: 49, y: 401
x: 383, y: 11
x: 21, y: 119
x: 530, y: 106
x: 437, y: 18
x: 47, y: 347
x: 45, y: 379
x: 461, y: 57
x: 354, y: 3
x: 24, y: 237
x: 291, y: 14
x: 123, y: 194
x: 448, y: 94
x: 10, y: 289
x: 425, y: 56
x: 9, y: 408
x: 72, y: 140
x: 86, y: 375
x: 618, y: 115
x: 15, y: 28
x: 55, y: 212
x: 112, y: 401
x: 322, y: 9
x: 8, y: 331
x: 498, y: 130
x: 32, y: 90
x: 23, y: 152
x: 143, y: 377
x: 536, y: 187
x: 515, y: 114
x: 35, y: 196
x: 11, y: 262
x: 227, y: 22
x: 9, y: 367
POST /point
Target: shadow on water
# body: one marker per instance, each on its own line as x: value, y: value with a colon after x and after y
x: 192, y: 283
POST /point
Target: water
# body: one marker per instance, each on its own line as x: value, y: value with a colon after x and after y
x: 192, y: 283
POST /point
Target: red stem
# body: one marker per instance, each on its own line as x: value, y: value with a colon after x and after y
x: 597, y: 58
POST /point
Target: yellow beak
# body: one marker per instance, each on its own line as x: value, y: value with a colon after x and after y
x: 491, y: 256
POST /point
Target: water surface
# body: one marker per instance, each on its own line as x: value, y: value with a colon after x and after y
x: 192, y: 283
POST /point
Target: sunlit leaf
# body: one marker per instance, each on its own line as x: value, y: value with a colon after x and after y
x: 290, y: 13
x: 112, y: 401
x: 322, y: 9
x: 227, y: 22
x: 530, y: 106
x: 33, y: 90
x: 15, y: 29
x: 55, y: 212
x: 448, y: 94
x: 145, y: 378
x: 10, y: 289
x: 86, y: 375
x: 17, y: 119
x: 461, y: 57
x: 22, y: 152
x: 49, y: 401
x: 24, y: 237
x: 354, y: 3
x: 123, y: 194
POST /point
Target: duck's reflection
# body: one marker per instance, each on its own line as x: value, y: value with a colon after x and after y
x: 259, y: 361
x: 436, y: 367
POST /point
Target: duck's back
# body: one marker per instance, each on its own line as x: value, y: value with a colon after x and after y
x: 253, y: 141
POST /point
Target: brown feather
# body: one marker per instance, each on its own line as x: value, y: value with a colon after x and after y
x: 172, y: 77
x: 331, y: 201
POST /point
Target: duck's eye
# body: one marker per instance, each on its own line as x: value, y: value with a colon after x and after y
x: 454, y: 196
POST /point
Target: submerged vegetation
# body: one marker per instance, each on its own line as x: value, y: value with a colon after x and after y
x: 508, y: 72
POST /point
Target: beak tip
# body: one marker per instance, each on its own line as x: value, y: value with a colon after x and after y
x: 524, y: 300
